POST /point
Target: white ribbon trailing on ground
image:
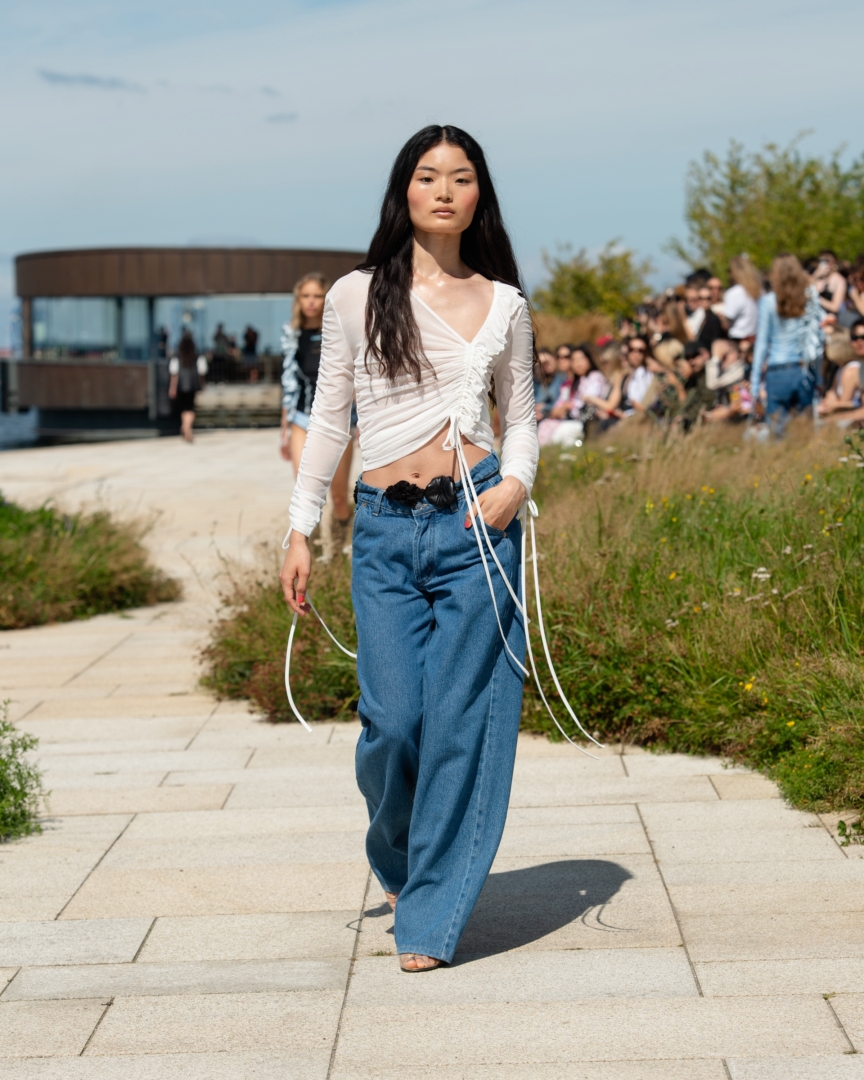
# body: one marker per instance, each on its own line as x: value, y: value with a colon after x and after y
x: 528, y: 514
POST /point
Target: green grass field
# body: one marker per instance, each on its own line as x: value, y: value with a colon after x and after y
x: 702, y: 595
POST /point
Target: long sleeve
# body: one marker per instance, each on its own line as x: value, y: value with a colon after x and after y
x: 763, y: 344
x: 514, y: 390
x: 329, y: 425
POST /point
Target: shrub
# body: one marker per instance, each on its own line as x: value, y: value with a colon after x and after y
x: 55, y: 567
x: 701, y: 596
x: 246, y: 653
x: 20, y: 782
x: 709, y: 598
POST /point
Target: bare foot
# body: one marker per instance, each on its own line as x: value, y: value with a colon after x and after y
x: 410, y: 961
x: 391, y: 898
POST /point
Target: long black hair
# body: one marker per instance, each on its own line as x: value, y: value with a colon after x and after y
x: 391, y: 329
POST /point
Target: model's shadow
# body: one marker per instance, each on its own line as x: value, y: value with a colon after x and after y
x: 517, y: 907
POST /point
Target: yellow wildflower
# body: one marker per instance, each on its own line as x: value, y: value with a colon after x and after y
x: 790, y: 723
x: 748, y: 686
x: 673, y: 575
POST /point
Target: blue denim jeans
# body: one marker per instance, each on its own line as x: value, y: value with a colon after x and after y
x: 440, y: 704
x: 787, y: 387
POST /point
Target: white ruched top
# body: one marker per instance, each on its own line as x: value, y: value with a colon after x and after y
x: 396, y: 418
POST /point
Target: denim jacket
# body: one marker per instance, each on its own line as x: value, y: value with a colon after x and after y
x: 786, y: 341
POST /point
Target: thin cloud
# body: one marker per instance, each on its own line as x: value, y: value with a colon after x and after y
x: 95, y: 82
x: 282, y: 118
x: 219, y: 88
x: 269, y: 91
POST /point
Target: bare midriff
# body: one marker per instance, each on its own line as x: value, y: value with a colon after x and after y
x: 424, y: 464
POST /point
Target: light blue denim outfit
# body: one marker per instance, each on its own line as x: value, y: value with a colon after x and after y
x: 547, y: 396
x: 440, y: 705
x: 787, y: 349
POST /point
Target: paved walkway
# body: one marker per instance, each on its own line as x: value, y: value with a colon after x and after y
x: 199, y: 906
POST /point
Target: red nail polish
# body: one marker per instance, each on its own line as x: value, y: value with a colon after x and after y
x: 467, y: 523
x: 301, y: 599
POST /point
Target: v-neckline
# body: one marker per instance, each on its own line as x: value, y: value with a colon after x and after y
x: 444, y: 322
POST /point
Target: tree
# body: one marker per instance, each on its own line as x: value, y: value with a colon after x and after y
x: 769, y: 202
x: 613, y: 285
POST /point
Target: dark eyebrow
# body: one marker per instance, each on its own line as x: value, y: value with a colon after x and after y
x: 431, y: 168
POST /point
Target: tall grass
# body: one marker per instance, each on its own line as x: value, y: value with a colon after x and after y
x: 55, y: 567
x: 702, y: 595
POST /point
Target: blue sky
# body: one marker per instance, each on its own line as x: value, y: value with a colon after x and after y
x: 131, y: 122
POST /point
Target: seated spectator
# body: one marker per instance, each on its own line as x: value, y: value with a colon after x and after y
x: 548, y: 381
x: 700, y: 398
x: 855, y: 295
x: 672, y: 322
x: 667, y: 390
x: 711, y: 328
x: 829, y: 283
x: 562, y: 354
x: 566, y: 423
x: 694, y: 312
x: 843, y: 400
x: 740, y: 302
x: 611, y: 366
x: 626, y: 399
x: 726, y: 374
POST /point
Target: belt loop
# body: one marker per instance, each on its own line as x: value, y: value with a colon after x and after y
x: 376, y: 506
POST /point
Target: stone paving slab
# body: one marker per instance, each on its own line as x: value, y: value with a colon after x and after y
x: 303, y: 1021
x: 101, y: 941
x: 117, y: 894
x: 295, y: 935
x: 46, y: 1028
x: 548, y: 976
x: 822, y: 975
x: 138, y: 800
x: 632, y: 1029
x: 226, y: 823
x: 254, y: 1065
x: 140, y: 980
x: 691, y: 1069
x: 773, y: 936
x: 199, y: 905
x: 813, y: 1068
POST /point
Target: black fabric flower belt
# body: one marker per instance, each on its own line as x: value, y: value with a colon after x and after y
x: 440, y: 492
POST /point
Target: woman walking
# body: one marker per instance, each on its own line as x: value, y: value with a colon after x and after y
x: 432, y: 322
x: 789, y: 341
x: 186, y: 377
x: 301, y: 351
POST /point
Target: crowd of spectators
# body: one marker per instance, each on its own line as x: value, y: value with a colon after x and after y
x: 751, y: 352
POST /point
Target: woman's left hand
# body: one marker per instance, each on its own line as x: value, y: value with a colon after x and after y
x: 501, y: 503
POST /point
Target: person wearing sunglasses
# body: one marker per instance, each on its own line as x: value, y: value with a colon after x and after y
x: 710, y: 328
x: 843, y: 400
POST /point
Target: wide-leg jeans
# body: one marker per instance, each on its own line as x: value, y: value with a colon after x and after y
x: 440, y: 704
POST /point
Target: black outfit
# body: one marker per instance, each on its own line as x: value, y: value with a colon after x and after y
x: 308, y: 358
x: 710, y: 330
x: 188, y: 385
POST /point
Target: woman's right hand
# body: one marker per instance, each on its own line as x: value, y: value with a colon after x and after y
x: 295, y: 573
x: 285, y: 442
